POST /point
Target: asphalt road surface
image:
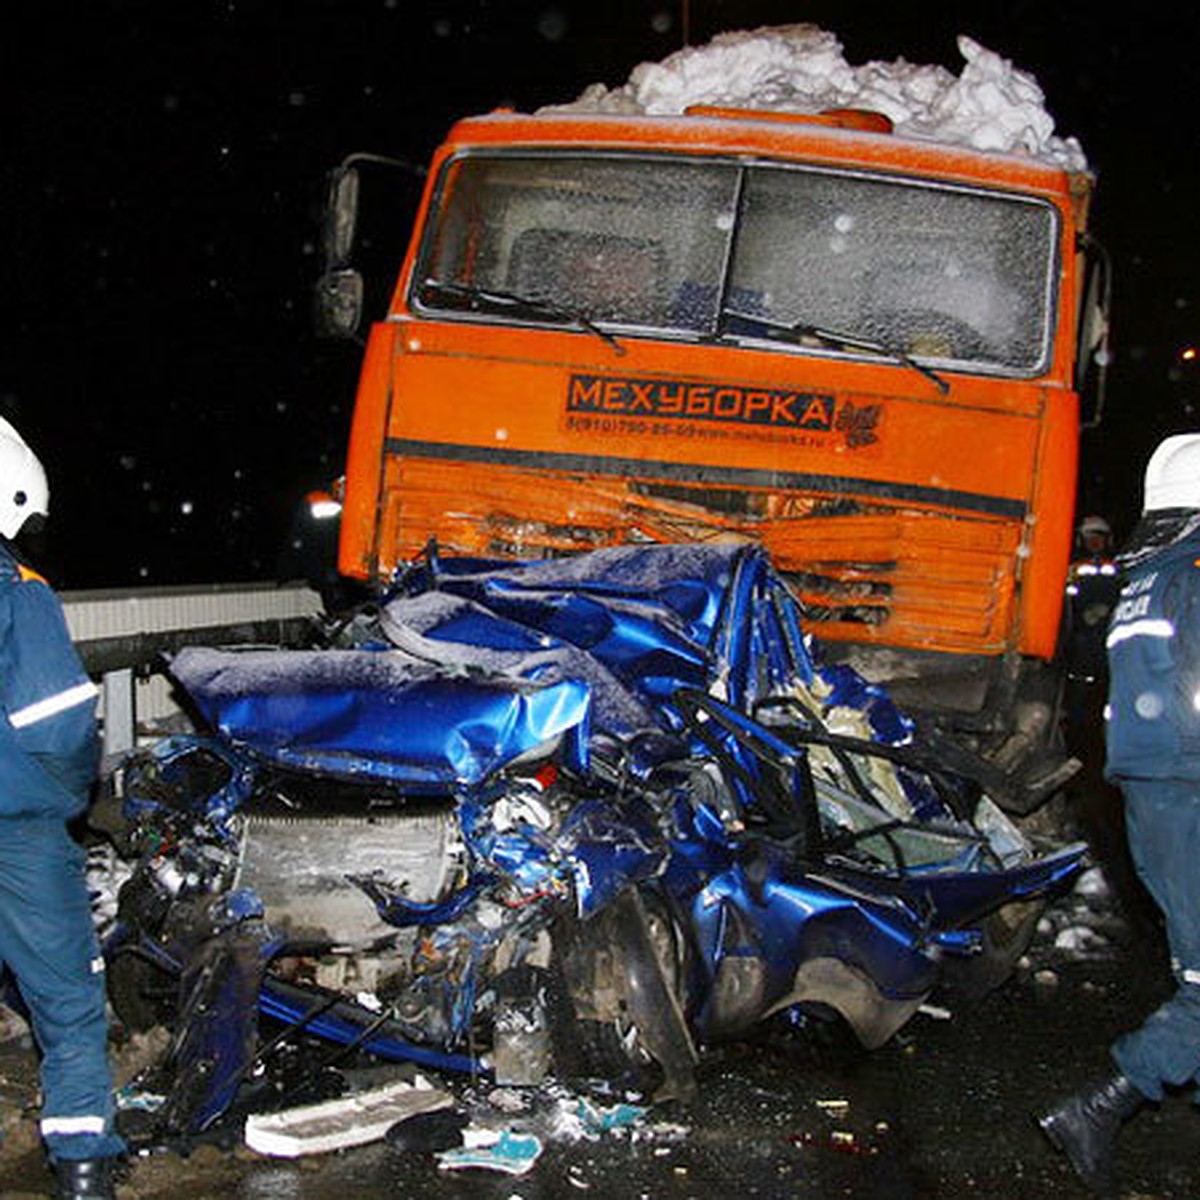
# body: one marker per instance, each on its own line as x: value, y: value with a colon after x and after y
x: 943, y: 1110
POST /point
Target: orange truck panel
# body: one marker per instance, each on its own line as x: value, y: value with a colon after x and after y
x: 917, y: 503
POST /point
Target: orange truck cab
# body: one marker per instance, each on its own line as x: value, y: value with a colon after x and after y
x: 857, y: 350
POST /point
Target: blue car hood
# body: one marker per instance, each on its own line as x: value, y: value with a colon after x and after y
x: 481, y: 663
x: 380, y: 715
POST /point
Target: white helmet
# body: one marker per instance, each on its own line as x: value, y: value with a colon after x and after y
x: 1095, y: 524
x: 24, y: 491
x: 1173, y: 474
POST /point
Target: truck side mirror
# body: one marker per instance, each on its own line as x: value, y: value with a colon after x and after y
x: 339, y: 303
x: 1094, y: 353
x: 341, y: 218
x: 339, y: 300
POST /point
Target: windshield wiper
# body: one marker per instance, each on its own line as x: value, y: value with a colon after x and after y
x: 476, y: 297
x: 839, y: 341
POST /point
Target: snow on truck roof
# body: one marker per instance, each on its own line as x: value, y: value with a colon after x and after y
x: 992, y: 106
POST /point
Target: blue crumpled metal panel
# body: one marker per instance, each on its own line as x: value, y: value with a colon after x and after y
x: 637, y: 622
x: 572, y: 710
x: 380, y: 715
x: 489, y: 661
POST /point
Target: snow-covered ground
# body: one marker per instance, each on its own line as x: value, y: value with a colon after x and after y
x: 991, y: 105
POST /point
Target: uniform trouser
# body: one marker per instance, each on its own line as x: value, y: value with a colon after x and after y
x: 1162, y: 819
x: 48, y: 942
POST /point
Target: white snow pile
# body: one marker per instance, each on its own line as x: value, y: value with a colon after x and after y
x: 991, y: 106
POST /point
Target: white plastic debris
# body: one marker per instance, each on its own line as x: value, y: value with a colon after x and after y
x: 605, y: 1119
x: 132, y: 1098
x: 504, y: 1150
x: 1092, y: 883
x: 578, y: 1118
x: 508, y: 1100
x: 339, y: 1124
x: 511, y: 812
x: 935, y: 1011
x: 665, y: 1131
x: 990, y: 106
x: 1079, y: 937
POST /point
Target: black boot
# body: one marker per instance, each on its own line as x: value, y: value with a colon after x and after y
x: 85, y: 1178
x: 1084, y: 1126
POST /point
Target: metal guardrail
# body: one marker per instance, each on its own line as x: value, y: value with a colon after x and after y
x: 123, y: 635
x: 139, y: 651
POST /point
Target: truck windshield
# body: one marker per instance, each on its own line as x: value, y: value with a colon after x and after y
x: 700, y: 247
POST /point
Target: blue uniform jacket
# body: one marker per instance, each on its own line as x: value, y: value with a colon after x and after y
x: 1154, y: 663
x: 49, y: 748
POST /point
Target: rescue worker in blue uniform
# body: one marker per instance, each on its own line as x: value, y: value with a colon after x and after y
x: 1093, y: 588
x: 48, y: 760
x: 1153, y: 754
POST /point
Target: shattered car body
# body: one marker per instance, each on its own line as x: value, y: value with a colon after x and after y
x: 580, y: 815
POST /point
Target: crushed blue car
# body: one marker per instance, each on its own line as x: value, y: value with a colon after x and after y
x: 578, y: 817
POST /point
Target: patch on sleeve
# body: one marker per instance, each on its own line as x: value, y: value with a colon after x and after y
x: 28, y: 575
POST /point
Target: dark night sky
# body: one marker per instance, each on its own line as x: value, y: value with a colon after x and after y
x: 162, y: 175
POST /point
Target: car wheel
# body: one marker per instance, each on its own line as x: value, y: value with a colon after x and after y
x: 622, y: 1012
x: 1006, y: 936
